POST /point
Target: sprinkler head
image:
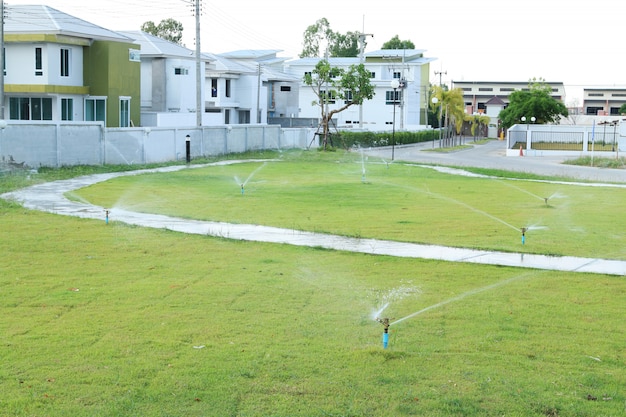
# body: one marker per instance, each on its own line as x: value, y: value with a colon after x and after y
x: 524, y: 229
x: 384, y: 322
x: 546, y: 200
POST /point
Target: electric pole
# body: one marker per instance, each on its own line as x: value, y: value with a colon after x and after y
x: 2, y: 63
x: 362, y: 37
x: 199, y: 75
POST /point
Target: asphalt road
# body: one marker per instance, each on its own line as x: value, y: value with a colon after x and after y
x: 493, y: 155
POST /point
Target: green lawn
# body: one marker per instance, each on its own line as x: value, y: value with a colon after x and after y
x: 118, y: 320
x: 329, y: 193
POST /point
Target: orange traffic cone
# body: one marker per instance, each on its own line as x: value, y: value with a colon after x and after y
x: 521, y: 151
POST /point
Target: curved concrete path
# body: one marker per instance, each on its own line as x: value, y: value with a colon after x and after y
x: 49, y: 197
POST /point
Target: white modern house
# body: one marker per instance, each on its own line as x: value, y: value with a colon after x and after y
x: 168, y: 81
x: 280, y: 88
x: 409, y: 100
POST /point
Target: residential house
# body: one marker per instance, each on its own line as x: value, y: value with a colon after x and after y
x: 407, y: 103
x: 281, y: 89
x: 169, y: 82
x: 61, y: 68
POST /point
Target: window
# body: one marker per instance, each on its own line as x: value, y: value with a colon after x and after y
x: 618, y: 95
x: 30, y: 108
x: 227, y: 88
x: 328, y: 96
x: 124, y: 112
x: 67, y: 109
x: 285, y: 88
x: 244, y: 117
x: 65, y: 62
x: 213, y: 87
x: 593, y: 111
x: 596, y: 94
x: 181, y: 71
x: 309, y: 73
x: 372, y: 75
x: 227, y: 116
x: 95, y: 110
x: 397, y: 75
x: 485, y: 89
x: 38, y: 62
x: 349, y: 97
x: 507, y: 89
x: 393, y: 97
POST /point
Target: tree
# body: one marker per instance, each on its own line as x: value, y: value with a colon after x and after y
x: 535, y: 102
x: 168, y: 29
x: 450, y: 105
x: 622, y: 109
x: 331, y: 84
x: 319, y: 37
x: 396, y: 43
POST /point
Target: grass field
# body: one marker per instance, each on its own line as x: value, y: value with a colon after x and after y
x: 118, y: 320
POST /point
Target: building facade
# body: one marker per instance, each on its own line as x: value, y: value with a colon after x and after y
x: 407, y: 103
x: 603, y: 101
x: 476, y: 94
x: 60, y: 68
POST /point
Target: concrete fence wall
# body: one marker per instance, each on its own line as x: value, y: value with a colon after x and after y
x: 60, y: 144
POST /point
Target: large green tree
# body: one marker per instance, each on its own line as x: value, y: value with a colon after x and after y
x: 331, y: 85
x: 535, y: 102
x: 319, y: 38
x: 396, y: 43
x: 168, y: 29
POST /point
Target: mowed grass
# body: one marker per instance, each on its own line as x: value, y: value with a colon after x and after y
x: 113, y: 320
x: 347, y: 194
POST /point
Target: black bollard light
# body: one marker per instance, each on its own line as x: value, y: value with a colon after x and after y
x: 188, y: 148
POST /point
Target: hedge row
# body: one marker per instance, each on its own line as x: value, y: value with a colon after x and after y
x: 347, y: 139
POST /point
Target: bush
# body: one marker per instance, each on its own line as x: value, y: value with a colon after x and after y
x: 349, y: 139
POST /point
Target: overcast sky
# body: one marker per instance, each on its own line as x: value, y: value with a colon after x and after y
x: 577, y: 42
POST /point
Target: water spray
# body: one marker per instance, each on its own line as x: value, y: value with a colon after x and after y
x: 386, y: 323
x: 243, y: 184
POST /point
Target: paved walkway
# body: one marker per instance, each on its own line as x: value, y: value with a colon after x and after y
x: 49, y: 197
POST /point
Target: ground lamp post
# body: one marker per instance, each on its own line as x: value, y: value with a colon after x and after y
x: 394, y: 84
x: 188, y: 148
x: 528, y: 121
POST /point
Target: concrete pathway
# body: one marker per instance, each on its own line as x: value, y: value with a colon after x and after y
x: 49, y: 197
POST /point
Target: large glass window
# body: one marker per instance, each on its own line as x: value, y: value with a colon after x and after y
x: 393, y: 96
x: 95, y: 110
x: 67, y: 109
x: 30, y: 108
x: 227, y: 93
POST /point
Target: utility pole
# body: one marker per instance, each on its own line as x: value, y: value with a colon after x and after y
x: 441, y: 116
x: 199, y: 76
x: 362, y: 37
x: 258, y: 94
x: 2, y: 63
